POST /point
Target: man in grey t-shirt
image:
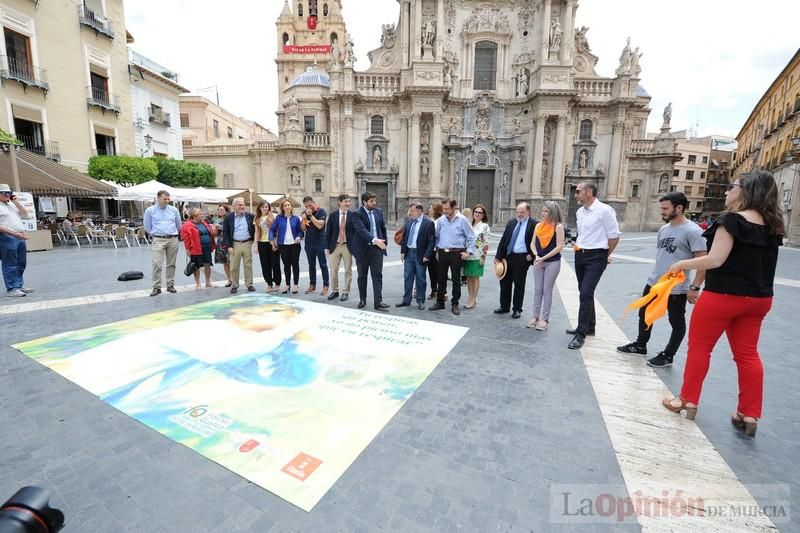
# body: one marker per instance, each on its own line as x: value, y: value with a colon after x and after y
x: 678, y: 239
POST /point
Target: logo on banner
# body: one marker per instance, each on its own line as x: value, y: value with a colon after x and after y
x: 302, y: 466
x: 198, y: 419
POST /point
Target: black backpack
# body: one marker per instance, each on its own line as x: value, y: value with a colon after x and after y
x: 130, y: 275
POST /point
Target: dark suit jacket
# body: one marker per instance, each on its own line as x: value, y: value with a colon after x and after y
x: 332, y: 229
x: 426, y: 239
x: 362, y: 237
x: 509, y: 231
x: 227, y: 228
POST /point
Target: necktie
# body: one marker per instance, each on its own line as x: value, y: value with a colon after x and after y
x: 412, y: 237
x: 373, y: 228
x: 510, y: 248
x: 342, y: 225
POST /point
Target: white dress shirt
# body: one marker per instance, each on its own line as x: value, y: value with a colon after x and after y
x: 596, y: 225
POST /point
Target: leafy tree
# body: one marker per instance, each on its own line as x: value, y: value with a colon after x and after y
x: 178, y: 173
x: 122, y: 169
x: 7, y: 138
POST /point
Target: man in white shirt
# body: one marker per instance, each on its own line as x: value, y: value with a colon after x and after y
x: 13, y: 252
x: 598, y: 236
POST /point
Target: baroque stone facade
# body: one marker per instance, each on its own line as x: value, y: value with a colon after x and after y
x: 490, y: 103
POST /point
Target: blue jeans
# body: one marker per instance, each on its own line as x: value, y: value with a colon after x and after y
x: 314, y: 253
x: 14, y: 256
x: 414, y: 270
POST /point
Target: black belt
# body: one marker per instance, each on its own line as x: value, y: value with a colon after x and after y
x: 246, y: 240
x: 164, y: 236
x: 591, y: 250
x: 452, y: 250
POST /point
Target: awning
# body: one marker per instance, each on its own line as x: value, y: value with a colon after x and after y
x: 43, y: 177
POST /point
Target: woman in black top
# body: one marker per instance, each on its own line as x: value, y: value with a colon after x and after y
x: 740, y: 269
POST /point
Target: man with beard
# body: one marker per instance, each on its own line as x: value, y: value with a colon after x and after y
x: 678, y: 239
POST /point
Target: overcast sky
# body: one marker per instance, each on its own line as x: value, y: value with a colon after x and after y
x: 712, y: 59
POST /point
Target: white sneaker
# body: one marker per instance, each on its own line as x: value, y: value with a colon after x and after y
x: 26, y: 290
x: 15, y: 293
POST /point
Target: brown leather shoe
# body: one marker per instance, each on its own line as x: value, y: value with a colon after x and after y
x: 324, y: 291
x: 310, y: 289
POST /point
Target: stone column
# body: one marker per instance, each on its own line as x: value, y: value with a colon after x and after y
x: 568, y: 26
x: 416, y: 31
x: 557, y: 189
x: 349, y: 176
x: 449, y: 188
x: 405, y: 29
x: 545, y: 44
x: 436, y: 154
x: 403, y: 178
x: 538, y: 154
x: 614, y: 165
x: 514, y: 185
x: 413, y: 161
x: 440, y: 29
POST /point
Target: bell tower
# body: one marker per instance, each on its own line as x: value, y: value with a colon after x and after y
x: 306, y: 31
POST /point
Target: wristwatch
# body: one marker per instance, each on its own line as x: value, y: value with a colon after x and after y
x: 694, y: 288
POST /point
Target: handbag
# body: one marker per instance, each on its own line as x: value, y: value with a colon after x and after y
x: 130, y: 275
x: 191, y: 266
x: 398, y: 235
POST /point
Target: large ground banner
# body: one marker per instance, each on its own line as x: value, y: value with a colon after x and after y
x: 285, y: 393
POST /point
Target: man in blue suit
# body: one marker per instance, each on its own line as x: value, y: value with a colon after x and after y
x: 416, y: 251
x: 368, y: 246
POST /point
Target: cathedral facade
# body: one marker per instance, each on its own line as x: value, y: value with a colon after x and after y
x: 490, y: 103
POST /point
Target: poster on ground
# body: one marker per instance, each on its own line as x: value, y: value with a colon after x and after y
x: 285, y: 393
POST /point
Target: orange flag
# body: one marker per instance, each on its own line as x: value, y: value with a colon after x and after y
x: 658, y: 298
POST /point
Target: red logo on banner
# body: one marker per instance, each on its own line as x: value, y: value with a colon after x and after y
x: 312, y: 22
x: 310, y: 49
x: 248, y: 446
x: 302, y: 466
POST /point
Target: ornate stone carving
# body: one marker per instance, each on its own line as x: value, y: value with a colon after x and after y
x: 487, y: 19
x: 522, y: 80
x: 663, y: 183
x: 636, y: 69
x: 424, y: 167
x: 555, y: 78
x: 349, y: 53
x: 296, y: 178
x: 388, y: 36
x: 516, y: 126
x: 335, y: 54
x: 425, y: 137
x: 524, y: 58
x: 428, y: 75
x: 579, y: 63
x: 581, y: 43
x: 667, y: 116
x: 291, y: 108
x: 450, y: 13
x: 625, y: 59
x: 483, y: 116
x: 556, y: 34
x: 455, y: 126
x: 429, y: 30
x: 525, y: 17
x: 377, y: 158
x: 359, y: 165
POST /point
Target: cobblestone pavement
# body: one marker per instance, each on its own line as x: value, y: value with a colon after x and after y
x: 506, y: 418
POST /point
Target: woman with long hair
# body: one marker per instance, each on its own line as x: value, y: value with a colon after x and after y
x: 548, y: 241
x: 286, y: 232
x: 267, y: 253
x: 739, y: 274
x: 435, y: 212
x: 473, y: 267
x: 198, y: 238
x: 221, y: 254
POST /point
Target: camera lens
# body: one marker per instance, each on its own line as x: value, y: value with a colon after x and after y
x: 29, y: 511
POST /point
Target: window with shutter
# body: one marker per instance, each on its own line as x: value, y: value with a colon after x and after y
x: 485, y: 66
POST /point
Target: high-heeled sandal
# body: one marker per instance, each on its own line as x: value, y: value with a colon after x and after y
x: 691, y: 412
x: 532, y: 323
x: 472, y: 305
x: 738, y: 421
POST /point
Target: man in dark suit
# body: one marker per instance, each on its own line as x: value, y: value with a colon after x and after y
x: 368, y: 246
x: 416, y: 250
x: 515, y: 248
x: 238, y: 234
x: 338, y: 233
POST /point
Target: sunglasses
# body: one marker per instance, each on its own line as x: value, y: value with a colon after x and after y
x: 7, y: 193
x: 478, y: 213
x: 731, y: 186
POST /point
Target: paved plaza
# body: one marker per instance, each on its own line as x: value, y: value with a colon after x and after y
x: 510, y: 419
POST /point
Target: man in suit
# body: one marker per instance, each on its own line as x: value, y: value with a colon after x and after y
x: 338, y: 233
x: 368, y: 246
x: 416, y: 250
x: 515, y: 248
x: 238, y: 235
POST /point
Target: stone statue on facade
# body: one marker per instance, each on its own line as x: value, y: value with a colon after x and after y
x: 295, y: 176
x: 601, y: 169
x: 517, y: 127
x: 291, y: 108
x: 388, y: 36
x: 667, y: 116
x: 663, y: 183
x: 636, y: 68
x: 483, y: 117
x: 584, y: 158
x: 425, y: 138
x: 359, y: 165
x: 349, y: 53
x: 625, y: 59
x: 394, y: 168
x: 429, y: 30
x: 424, y: 168
x: 556, y: 34
x: 335, y: 53
x: 377, y: 157
x: 523, y: 83
x: 503, y: 26
x: 455, y: 126
x: 582, y: 43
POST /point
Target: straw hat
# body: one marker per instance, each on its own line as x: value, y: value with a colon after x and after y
x: 4, y: 187
x: 500, y: 269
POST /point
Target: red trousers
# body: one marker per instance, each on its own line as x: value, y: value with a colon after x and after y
x: 740, y: 317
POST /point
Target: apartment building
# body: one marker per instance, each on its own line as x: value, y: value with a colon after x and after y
x: 204, y: 122
x: 155, y: 107
x: 64, y: 74
x: 690, y: 173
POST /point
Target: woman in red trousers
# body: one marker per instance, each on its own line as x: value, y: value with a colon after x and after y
x: 740, y: 269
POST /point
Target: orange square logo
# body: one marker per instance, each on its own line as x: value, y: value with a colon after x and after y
x: 302, y: 466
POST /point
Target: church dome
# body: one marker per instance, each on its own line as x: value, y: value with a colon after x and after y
x: 312, y: 76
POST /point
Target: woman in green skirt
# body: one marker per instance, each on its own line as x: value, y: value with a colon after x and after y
x: 473, y: 268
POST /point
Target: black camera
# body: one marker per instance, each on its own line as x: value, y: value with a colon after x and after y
x: 29, y: 511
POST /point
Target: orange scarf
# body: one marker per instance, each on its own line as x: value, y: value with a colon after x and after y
x: 545, y: 232
x: 657, y: 299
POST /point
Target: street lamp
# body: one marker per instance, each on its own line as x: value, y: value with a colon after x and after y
x: 148, y: 142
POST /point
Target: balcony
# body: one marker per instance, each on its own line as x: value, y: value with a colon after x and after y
x: 48, y: 149
x: 589, y: 88
x: 379, y: 85
x: 317, y: 140
x: 101, y: 99
x: 23, y: 72
x: 158, y: 116
x: 642, y: 146
x: 99, y: 23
